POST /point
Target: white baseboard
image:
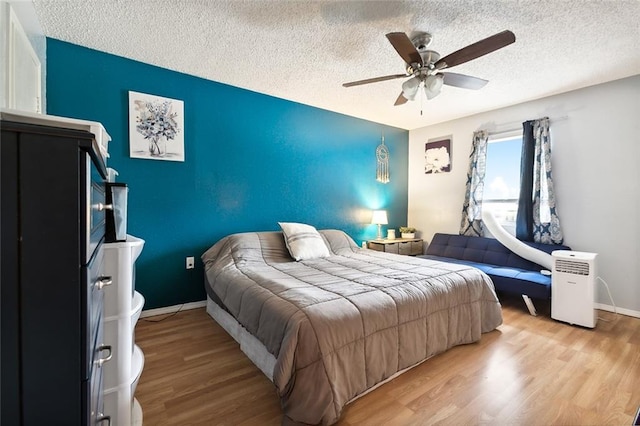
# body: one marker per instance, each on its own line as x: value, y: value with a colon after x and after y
x: 172, y: 309
x: 203, y: 303
x: 623, y: 311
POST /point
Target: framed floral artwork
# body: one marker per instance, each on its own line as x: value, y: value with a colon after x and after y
x: 437, y: 155
x: 156, y: 127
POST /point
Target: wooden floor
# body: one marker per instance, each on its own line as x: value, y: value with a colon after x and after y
x: 531, y: 371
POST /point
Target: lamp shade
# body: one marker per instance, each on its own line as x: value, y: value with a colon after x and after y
x: 432, y: 85
x: 379, y: 217
x: 410, y: 88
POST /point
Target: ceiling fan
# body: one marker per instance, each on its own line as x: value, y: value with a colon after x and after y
x: 425, y: 66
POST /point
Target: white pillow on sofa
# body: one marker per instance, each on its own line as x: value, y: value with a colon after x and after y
x: 304, y: 242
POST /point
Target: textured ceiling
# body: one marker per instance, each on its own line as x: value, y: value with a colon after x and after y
x: 304, y: 50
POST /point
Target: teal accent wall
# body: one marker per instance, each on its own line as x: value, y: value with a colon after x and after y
x: 251, y: 160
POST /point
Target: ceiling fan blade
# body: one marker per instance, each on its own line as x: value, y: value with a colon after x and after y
x: 405, y: 48
x: 401, y: 100
x: 374, y: 80
x: 477, y: 49
x: 463, y: 81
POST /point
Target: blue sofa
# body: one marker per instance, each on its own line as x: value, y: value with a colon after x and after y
x: 508, y: 271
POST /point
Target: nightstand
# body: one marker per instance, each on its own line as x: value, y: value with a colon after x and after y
x: 408, y: 246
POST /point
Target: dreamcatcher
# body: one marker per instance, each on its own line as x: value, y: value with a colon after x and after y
x: 382, y: 155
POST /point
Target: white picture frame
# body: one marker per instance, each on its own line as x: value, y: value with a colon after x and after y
x: 156, y: 127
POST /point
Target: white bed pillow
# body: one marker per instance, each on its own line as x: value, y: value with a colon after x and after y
x: 304, y: 242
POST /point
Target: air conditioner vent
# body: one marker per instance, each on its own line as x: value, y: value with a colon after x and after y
x: 572, y: 267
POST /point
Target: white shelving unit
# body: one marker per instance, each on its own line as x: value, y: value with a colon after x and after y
x: 122, y: 308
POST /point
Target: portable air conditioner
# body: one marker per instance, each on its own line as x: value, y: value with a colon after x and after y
x: 573, y: 283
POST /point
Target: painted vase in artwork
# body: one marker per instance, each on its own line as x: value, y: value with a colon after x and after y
x: 158, y: 146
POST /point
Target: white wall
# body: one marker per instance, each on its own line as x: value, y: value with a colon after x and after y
x: 595, y: 135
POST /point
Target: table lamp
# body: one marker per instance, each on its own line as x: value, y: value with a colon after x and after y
x: 379, y: 218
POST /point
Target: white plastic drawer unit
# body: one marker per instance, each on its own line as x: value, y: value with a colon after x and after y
x: 122, y: 307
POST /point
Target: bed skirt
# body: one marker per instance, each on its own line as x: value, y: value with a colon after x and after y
x: 251, y: 346
x: 258, y: 353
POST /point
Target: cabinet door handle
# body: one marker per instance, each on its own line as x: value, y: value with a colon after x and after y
x: 102, y: 418
x: 103, y: 282
x: 103, y: 348
x: 100, y: 207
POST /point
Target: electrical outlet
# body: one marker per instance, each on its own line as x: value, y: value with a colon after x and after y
x: 191, y: 262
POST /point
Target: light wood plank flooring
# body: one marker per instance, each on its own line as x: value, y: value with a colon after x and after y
x: 531, y: 371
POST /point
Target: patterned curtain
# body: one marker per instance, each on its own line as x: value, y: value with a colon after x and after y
x: 472, y: 209
x: 546, y: 224
x: 537, y: 218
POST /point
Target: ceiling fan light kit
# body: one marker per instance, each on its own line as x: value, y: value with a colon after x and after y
x: 425, y: 66
x: 432, y: 85
x: 410, y: 88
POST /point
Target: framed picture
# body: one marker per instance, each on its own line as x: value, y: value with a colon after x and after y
x: 437, y: 155
x: 156, y: 127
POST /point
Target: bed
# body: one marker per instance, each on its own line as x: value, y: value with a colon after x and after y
x: 328, y: 328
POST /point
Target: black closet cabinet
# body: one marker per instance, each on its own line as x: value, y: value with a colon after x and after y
x: 52, y: 230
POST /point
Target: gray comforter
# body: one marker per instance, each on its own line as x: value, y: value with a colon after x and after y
x: 339, y: 325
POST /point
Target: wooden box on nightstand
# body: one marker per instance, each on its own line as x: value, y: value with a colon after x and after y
x: 408, y: 246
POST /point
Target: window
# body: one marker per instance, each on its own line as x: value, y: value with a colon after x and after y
x: 502, y: 180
